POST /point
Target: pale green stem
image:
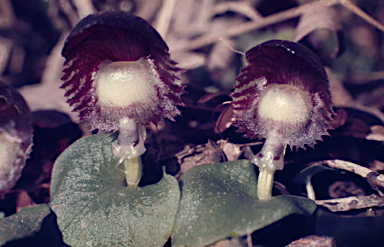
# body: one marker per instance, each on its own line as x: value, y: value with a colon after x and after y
x: 269, y: 159
x: 310, y: 190
x: 265, y: 183
x: 133, y: 170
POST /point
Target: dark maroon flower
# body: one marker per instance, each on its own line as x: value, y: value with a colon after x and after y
x: 284, y: 90
x: 283, y: 96
x: 15, y: 136
x: 119, y: 76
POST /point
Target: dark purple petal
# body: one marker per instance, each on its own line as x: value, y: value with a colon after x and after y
x: 115, y: 36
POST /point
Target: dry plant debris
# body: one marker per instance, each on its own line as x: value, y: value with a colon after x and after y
x: 208, y: 38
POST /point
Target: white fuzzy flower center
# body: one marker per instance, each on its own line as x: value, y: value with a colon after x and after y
x: 122, y: 83
x: 8, y: 153
x: 285, y: 103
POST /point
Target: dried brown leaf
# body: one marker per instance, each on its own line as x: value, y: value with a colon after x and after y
x: 220, y: 58
x: 242, y: 7
x: 210, y: 96
x: 353, y: 202
x: 231, y: 151
x: 225, y: 120
x: 377, y: 133
x: 340, y: 96
x: 209, y: 153
x: 341, y: 189
x: 7, y: 16
x: 317, y: 16
x: 340, y: 119
x: 189, y: 60
x: 315, y: 241
x: 376, y: 165
x: 147, y: 9
x: 23, y: 200
x: 47, y: 95
x: 5, y: 50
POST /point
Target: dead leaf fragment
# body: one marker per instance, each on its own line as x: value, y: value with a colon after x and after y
x: 225, y: 120
x: 377, y: 133
x: 317, y: 16
x: 231, y: 151
x: 189, y: 157
x: 23, y: 200
x: 340, y: 189
x: 220, y: 58
x: 314, y: 240
x: 353, y: 202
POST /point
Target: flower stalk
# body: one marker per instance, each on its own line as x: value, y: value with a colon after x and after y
x: 133, y: 169
x: 119, y: 77
x: 269, y: 159
x: 282, y: 96
x: 265, y: 183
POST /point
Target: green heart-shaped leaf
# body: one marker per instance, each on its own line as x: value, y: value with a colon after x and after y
x: 23, y: 224
x: 220, y: 201
x: 95, y: 208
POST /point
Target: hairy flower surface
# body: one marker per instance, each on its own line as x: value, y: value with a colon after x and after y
x: 118, y: 75
x: 283, y: 96
x: 283, y: 93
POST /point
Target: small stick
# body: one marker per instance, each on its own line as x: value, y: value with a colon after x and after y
x: 375, y: 179
x: 164, y: 17
x: 355, y: 9
x: 352, y: 202
x: 270, y: 20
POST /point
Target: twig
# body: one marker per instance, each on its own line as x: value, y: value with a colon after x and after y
x: 146, y: 9
x: 371, y: 110
x: 243, y: 8
x: 353, y: 202
x: 352, y: 7
x: 164, y: 17
x: 242, y: 28
x: 84, y: 7
x: 375, y: 179
x: 269, y: 20
x: 69, y: 12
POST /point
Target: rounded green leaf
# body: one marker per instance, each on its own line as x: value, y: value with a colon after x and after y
x: 220, y: 201
x: 95, y: 208
x: 25, y: 223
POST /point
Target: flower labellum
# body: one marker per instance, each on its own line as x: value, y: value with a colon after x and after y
x: 15, y: 136
x: 119, y: 77
x: 283, y: 96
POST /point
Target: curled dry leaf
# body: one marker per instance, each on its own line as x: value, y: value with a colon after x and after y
x: 377, y: 133
x: 341, y: 189
x: 209, y: 153
x: 375, y: 179
x: 317, y: 16
x: 340, y: 96
x: 225, y: 119
x: 190, y: 60
x: 353, y: 202
x: 220, y: 58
